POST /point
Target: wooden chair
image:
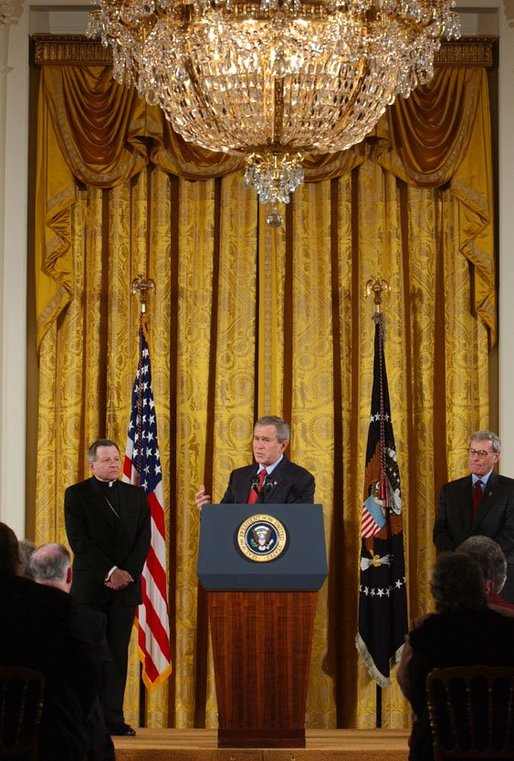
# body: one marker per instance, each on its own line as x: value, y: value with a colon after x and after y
x: 21, y: 704
x: 471, y: 711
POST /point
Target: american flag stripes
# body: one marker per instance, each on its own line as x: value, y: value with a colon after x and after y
x: 382, y: 590
x: 142, y: 467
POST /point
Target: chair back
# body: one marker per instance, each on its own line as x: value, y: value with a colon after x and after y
x: 471, y: 711
x: 21, y: 705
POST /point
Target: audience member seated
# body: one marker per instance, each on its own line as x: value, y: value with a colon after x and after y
x: 35, y: 633
x: 463, y: 632
x: 491, y: 559
x: 50, y: 565
x: 26, y: 549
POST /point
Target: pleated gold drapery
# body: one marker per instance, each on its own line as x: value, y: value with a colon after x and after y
x: 248, y: 320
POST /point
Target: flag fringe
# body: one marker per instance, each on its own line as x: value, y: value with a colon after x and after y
x: 375, y: 674
x: 160, y: 679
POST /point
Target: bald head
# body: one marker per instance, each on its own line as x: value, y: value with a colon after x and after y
x: 50, y: 565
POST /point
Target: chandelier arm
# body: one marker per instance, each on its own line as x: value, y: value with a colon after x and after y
x: 278, y: 111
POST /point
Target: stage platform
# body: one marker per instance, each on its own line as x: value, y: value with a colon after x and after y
x: 321, y: 745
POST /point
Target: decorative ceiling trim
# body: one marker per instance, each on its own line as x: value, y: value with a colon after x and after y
x: 75, y: 50
x: 469, y: 51
x: 78, y: 50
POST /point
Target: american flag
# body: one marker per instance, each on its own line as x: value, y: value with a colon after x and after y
x: 142, y: 467
x: 382, y: 590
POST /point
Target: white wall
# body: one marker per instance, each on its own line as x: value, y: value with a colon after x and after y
x: 13, y: 258
x: 17, y: 22
x: 506, y: 234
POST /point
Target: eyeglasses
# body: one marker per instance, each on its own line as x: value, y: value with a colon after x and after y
x: 481, y: 453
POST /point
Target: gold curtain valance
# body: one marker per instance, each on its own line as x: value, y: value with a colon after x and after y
x: 103, y: 134
x: 105, y: 125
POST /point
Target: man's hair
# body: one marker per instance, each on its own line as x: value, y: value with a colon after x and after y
x: 50, y: 562
x: 489, y: 556
x: 281, y: 427
x: 10, y: 561
x: 488, y: 436
x: 457, y: 583
x: 92, y: 451
x: 26, y: 548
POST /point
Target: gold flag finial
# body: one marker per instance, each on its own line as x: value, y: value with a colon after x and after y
x: 142, y: 285
x: 377, y: 286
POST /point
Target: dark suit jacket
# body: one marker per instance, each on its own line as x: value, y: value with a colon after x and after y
x: 100, y: 540
x: 461, y: 638
x: 287, y: 483
x: 495, y: 516
x: 37, y: 631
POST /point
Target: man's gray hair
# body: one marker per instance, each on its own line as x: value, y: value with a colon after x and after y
x: 489, y: 556
x: 50, y: 562
x: 488, y: 436
x: 281, y: 427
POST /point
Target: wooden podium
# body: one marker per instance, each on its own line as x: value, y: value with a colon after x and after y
x: 261, y: 615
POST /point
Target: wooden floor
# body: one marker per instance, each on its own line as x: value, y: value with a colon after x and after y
x: 321, y: 745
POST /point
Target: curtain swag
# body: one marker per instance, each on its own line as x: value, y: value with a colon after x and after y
x: 101, y: 134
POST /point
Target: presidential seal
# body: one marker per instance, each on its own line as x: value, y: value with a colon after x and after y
x: 261, y: 538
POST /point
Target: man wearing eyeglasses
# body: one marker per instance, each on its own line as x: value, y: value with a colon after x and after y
x: 480, y: 503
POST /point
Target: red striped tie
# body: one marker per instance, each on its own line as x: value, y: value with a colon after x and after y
x: 255, y: 490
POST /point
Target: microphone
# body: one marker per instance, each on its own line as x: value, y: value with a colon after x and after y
x: 254, y: 483
x: 267, y: 486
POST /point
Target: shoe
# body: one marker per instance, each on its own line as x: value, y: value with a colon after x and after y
x: 122, y: 730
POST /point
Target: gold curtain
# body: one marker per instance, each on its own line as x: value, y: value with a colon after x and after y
x: 248, y: 320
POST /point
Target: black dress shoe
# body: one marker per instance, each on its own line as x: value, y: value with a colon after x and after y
x: 122, y: 730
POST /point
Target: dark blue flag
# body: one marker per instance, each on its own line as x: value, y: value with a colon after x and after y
x: 382, y: 590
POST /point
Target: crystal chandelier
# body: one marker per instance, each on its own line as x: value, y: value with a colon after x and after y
x: 272, y: 80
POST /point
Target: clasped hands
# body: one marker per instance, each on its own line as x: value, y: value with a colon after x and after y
x: 119, y: 579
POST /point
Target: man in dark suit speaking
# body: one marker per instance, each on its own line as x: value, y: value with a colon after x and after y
x: 274, y: 479
x: 108, y: 528
x: 480, y: 503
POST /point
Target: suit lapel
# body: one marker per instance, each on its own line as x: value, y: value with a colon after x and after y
x: 277, y: 478
x: 462, y: 500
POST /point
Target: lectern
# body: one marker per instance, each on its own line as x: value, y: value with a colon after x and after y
x: 262, y: 566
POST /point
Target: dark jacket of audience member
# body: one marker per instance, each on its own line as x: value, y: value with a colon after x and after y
x: 463, y: 632
x: 35, y: 632
x: 50, y: 565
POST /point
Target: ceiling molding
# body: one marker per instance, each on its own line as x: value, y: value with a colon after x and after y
x: 79, y: 50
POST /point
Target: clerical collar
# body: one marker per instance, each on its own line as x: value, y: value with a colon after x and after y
x: 107, y: 484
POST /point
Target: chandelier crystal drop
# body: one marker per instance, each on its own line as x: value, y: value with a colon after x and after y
x: 273, y: 80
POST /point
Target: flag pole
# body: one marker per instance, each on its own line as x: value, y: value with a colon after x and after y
x: 142, y: 467
x: 383, y: 620
x: 140, y: 286
x: 377, y: 287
